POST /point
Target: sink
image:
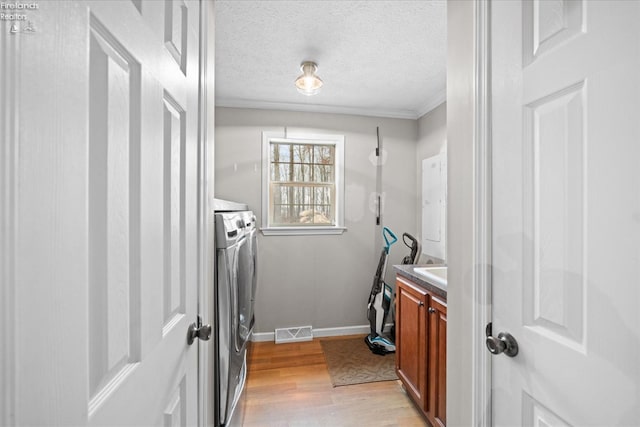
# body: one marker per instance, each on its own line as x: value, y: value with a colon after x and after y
x: 436, y: 275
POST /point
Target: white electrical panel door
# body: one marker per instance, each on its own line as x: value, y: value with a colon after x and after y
x: 434, y: 180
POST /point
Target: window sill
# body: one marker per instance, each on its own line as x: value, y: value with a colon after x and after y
x: 302, y: 231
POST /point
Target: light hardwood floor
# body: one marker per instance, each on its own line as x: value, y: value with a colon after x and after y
x: 289, y: 385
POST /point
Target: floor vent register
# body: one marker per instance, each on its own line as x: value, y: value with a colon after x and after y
x: 297, y: 334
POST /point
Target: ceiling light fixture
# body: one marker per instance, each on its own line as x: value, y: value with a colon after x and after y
x: 308, y: 83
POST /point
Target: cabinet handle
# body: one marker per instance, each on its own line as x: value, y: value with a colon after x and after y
x: 421, y: 304
x: 431, y: 310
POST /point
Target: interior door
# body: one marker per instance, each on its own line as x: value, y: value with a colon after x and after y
x: 566, y: 211
x: 104, y: 164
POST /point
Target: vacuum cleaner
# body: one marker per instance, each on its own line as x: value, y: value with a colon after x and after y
x: 412, y: 258
x: 381, y: 294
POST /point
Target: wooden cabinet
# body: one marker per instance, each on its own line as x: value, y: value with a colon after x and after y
x: 421, y: 348
x: 411, y: 336
x: 436, y: 408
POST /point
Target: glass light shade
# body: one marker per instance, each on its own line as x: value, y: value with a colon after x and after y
x: 308, y: 83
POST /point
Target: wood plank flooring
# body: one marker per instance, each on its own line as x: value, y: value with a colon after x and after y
x: 289, y: 385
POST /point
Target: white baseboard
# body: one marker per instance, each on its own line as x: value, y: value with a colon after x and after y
x: 339, y: 331
x: 263, y: 336
x: 320, y: 332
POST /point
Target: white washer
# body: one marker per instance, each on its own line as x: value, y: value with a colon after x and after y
x: 236, y: 264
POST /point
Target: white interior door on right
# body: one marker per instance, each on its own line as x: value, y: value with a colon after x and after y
x: 565, y: 87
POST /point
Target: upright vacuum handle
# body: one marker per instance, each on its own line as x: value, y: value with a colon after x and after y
x: 386, y: 233
x: 412, y: 258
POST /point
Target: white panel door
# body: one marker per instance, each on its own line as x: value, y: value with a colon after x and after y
x: 566, y: 211
x: 102, y: 157
x: 432, y: 196
x: 434, y: 210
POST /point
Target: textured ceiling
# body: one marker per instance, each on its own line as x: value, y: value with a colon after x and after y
x: 376, y: 58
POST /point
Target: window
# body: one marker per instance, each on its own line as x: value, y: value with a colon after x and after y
x: 302, y: 184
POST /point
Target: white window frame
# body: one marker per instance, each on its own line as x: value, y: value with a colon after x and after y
x: 303, y: 138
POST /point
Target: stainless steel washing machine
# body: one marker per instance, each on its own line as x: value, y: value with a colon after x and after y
x: 236, y: 264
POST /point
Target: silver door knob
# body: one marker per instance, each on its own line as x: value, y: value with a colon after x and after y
x: 202, y: 332
x: 504, y: 343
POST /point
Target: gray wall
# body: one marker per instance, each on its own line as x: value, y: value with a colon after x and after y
x: 460, y: 143
x: 432, y: 134
x: 322, y: 281
x: 432, y: 140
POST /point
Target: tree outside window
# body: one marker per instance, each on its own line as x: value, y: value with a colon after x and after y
x: 304, y: 181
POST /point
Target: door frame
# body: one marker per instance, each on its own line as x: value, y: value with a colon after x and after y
x: 469, y: 212
x: 206, y: 238
x: 482, y: 405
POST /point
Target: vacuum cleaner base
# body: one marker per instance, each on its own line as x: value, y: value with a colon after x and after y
x: 380, y: 345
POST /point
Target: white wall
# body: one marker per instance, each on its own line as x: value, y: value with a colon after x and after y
x: 322, y: 281
x: 432, y: 140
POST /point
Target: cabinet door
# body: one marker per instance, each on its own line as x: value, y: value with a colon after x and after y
x: 411, y: 339
x: 437, y: 362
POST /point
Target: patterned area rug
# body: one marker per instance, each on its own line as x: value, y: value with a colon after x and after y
x: 350, y: 361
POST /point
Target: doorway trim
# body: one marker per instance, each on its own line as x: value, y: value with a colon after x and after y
x: 206, y: 249
x: 469, y: 213
x: 482, y: 217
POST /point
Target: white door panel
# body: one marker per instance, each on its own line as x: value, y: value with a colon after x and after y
x: 106, y: 223
x: 566, y: 235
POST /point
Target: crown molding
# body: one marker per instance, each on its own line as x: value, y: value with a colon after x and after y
x: 433, y: 103
x: 316, y: 108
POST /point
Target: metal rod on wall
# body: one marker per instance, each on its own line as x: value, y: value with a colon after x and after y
x: 378, y: 178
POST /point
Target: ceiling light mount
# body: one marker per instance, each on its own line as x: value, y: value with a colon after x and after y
x: 308, y: 83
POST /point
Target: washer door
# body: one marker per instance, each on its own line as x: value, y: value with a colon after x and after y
x: 243, y: 321
x: 228, y: 363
